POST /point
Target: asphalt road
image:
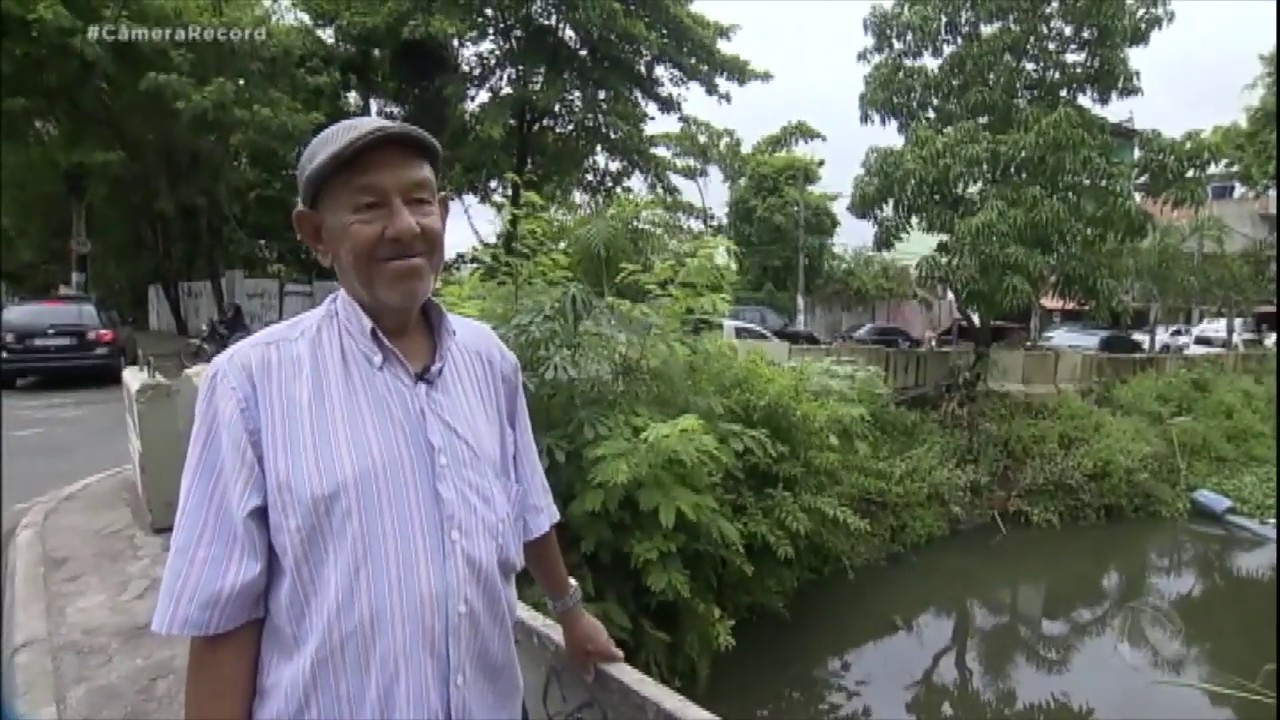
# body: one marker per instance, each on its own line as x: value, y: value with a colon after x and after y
x: 53, y: 434
x: 56, y: 434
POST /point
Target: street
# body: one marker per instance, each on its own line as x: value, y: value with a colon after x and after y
x: 55, y: 433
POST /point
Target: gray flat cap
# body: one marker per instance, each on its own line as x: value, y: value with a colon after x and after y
x: 343, y: 140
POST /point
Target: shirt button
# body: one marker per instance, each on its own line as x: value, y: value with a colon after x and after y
x: 462, y: 609
x: 458, y: 681
x: 454, y: 535
x: 444, y: 461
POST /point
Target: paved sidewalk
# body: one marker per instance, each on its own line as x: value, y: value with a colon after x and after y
x: 100, y: 577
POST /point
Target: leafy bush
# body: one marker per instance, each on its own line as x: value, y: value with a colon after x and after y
x: 702, y: 487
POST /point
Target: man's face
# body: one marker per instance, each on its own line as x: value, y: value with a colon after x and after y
x: 380, y: 224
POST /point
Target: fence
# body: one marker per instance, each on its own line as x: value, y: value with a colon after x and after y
x: 265, y: 300
x: 1017, y: 371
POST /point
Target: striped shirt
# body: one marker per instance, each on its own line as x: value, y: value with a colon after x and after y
x: 374, y: 522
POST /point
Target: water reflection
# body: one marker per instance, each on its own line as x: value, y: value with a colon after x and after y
x: 1081, y: 623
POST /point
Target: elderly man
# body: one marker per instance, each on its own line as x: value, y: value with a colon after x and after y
x: 362, y: 484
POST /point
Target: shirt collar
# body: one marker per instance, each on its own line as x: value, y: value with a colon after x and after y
x: 374, y: 345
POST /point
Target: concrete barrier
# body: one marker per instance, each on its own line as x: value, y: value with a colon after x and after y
x: 1004, y: 371
x: 159, y: 414
x: 552, y: 690
x: 1027, y: 372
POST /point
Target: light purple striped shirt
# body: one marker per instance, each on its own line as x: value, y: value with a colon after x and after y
x: 375, y: 522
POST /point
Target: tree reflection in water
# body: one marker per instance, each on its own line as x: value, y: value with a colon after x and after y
x: 1029, y: 616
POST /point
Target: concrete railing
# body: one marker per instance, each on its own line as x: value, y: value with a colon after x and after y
x: 1030, y: 372
x: 160, y: 414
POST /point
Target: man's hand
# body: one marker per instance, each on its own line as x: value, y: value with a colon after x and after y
x: 587, y: 643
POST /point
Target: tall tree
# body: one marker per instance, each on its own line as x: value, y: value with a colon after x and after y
x: 1250, y: 145
x: 185, y: 149
x: 1000, y: 152
x: 545, y: 97
x: 776, y: 214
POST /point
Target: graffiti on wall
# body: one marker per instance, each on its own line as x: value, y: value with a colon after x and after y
x: 568, y: 700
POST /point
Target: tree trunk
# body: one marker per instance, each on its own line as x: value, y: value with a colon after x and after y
x: 520, y: 166
x: 1231, y: 325
x: 213, y: 266
x: 169, y: 287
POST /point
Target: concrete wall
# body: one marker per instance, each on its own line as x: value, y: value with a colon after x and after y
x: 829, y: 318
x: 159, y: 417
x: 264, y: 300
x: 1029, y: 372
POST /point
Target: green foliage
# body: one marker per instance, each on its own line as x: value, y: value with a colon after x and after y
x: 1001, y: 150
x: 699, y: 487
x: 188, y: 148
x: 547, y: 97
x: 702, y: 488
x: 1250, y: 146
x: 1218, y: 430
x: 860, y: 276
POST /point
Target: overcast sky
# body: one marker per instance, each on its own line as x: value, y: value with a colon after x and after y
x: 1193, y: 76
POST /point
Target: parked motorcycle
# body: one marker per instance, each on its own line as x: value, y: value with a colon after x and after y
x: 215, y: 336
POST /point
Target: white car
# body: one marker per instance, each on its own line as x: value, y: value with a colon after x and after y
x: 729, y: 329
x: 1210, y: 337
x: 1169, y: 338
x: 739, y: 330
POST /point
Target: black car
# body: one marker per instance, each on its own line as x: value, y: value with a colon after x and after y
x: 882, y: 334
x: 775, y: 323
x: 63, y: 335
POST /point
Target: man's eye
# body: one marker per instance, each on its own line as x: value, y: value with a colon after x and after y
x: 422, y: 200
x: 368, y: 205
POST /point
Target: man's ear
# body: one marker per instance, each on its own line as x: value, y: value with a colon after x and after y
x: 309, y: 228
x: 443, y: 201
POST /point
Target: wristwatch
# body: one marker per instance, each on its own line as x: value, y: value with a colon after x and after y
x: 571, y: 601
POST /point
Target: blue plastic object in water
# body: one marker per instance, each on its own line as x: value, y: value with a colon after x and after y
x: 1212, y: 504
x: 1222, y: 509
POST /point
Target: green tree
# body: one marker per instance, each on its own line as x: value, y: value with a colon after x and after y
x: 1250, y: 146
x: 860, y: 277
x: 1000, y: 153
x: 186, y: 150
x: 1164, y: 271
x: 544, y: 97
x: 776, y: 215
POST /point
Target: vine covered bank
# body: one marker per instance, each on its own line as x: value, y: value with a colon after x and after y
x: 701, y: 488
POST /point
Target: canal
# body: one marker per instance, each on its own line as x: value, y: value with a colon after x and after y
x: 1079, y: 623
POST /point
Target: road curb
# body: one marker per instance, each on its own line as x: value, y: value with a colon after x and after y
x: 34, y: 682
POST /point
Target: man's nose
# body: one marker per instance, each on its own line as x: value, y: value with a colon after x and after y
x: 402, y: 224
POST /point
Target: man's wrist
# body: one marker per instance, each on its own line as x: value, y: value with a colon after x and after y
x: 567, y: 603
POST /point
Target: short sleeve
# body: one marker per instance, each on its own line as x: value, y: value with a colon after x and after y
x: 537, y: 512
x: 215, y: 578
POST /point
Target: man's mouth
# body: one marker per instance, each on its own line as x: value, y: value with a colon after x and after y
x: 397, y: 257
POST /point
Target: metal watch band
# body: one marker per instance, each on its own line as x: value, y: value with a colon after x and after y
x: 571, y: 600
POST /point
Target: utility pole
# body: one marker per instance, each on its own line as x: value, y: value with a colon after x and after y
x: 77, y: 190
x: 800, y: 190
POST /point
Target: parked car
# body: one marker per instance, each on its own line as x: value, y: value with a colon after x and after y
x: 63, y: 335
x: 773, y: 321
x: 881, y: 334
x: 1210, y: 337
x: 1169, y: 338
x: 729, y: 329
x: 1111, y: 342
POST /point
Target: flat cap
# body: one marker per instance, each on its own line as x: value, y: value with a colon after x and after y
x: 343, y: 140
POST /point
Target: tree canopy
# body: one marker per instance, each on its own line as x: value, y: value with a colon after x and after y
x: 186, y: 150
x: 1002, y: 151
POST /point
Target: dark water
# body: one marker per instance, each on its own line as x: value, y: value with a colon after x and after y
x: 1080, y: 623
